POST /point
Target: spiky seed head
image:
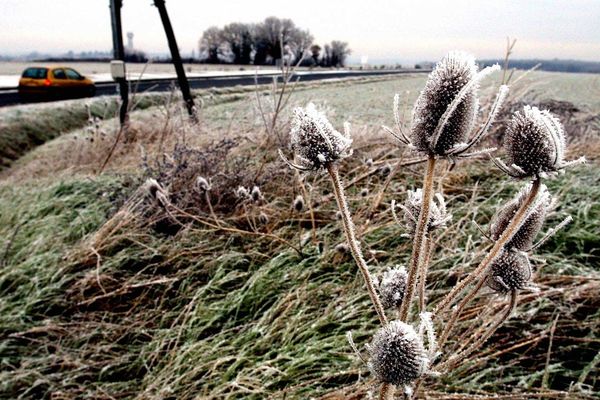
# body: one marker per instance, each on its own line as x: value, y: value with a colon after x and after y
x: 157, y: 192
x: 369, y: 162
x: 385, y: 170
x: 256, y: 194
x: 510, y: 271
x: 202, y: 184
x: 263, y: 218
x: 364, y: 192
x: 525, y: 235
x: 535, y: 142
x: 396, y: 354
x: 342, y: 248
x: 392, y: 286
x: 445, y: 82
x: 412, y: 208
x: 316, y: 143
x: 242, y: 193
x: 298, y: 203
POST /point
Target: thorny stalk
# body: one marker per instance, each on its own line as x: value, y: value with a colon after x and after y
x: 353, y: 242
x: 418, y: 251
x: 495, y: 251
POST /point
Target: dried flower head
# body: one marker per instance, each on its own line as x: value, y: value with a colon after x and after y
x: 369, y: 162
x: 364, y: 192
x: 202, y: 184
x: 242, y: 193
x: 531, y: 226
x: 385, y: 170
x: 392, y: 286
x: 511, y: 271
x: 342, y: 248
x: 263, y: 218
x: 298, y: 203
x: 438, y: 216
x: 157, y: 192
x: 256, y: 194
x: 314, y: 140
x: 535, y: 144
x: 445, y: 112
x: 397, y: 355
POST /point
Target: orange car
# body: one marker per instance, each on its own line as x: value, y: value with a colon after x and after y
x: 41, y: 83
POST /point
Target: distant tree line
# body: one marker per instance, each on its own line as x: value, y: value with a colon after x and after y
x: 267, y: 43
x: 551, y: 65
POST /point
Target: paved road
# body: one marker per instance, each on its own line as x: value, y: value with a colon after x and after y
x: 10, y: 96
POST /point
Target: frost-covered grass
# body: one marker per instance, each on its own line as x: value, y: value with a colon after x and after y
x: 96, y: 303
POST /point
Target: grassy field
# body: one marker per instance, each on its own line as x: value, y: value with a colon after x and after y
x: 104, y: 295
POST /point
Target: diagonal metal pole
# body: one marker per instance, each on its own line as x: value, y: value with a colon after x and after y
x: 181, y: 78
x: 119, y: 54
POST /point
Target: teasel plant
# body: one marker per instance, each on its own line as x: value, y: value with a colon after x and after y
x: 444, y: 127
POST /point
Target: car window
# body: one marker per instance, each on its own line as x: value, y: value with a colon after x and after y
x: 35, y: 73
x: 59, y: 74
x: 72, y: 74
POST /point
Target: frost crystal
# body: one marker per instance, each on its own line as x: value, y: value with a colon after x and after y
x: 392, y: 287
x: 525, y: 235
x: 314, y: 140
x: 397, y: 354
x: 510, y: 271
x: 535, y: 144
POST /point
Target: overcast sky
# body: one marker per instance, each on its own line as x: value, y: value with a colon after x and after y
x: 381, y: 29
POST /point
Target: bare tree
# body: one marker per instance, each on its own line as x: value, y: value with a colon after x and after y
x: 339, y: 52
x: 274, y: 32
x: 210, y: 44
x: 239, y: 38
x: 315, y: 53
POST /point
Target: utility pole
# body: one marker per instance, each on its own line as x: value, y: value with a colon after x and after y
x: 181, y: 78
x: 119, y: 54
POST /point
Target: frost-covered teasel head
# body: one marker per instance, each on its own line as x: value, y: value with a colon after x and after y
x: 242, y: 193
x: 397, y: 355
x: 298, y: 203
x: 314, y: 140
x: 535, y: 144
x: 531, y: 226
x: 438, y: 216
x: 202, y: 184
x: 256, y: 194
x: 263, y: 218
x: 511, y: 271
x: 445, y: 112
x: 157, y: 192
x: 392, y: 286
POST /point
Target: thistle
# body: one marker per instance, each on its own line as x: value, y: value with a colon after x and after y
x: 397, y: 355
x: 510, y: 271
x: 314, y: 140
x: 392, y: 286
x: 535, y: 145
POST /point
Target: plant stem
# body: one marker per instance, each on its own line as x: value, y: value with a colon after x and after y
x: 483, y: 338
x: 507, y: 235
x: 353, y: 243
x: 419, y: 240
x: 423, y: 273
x: 459, y: 309
x: 387, y: 392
